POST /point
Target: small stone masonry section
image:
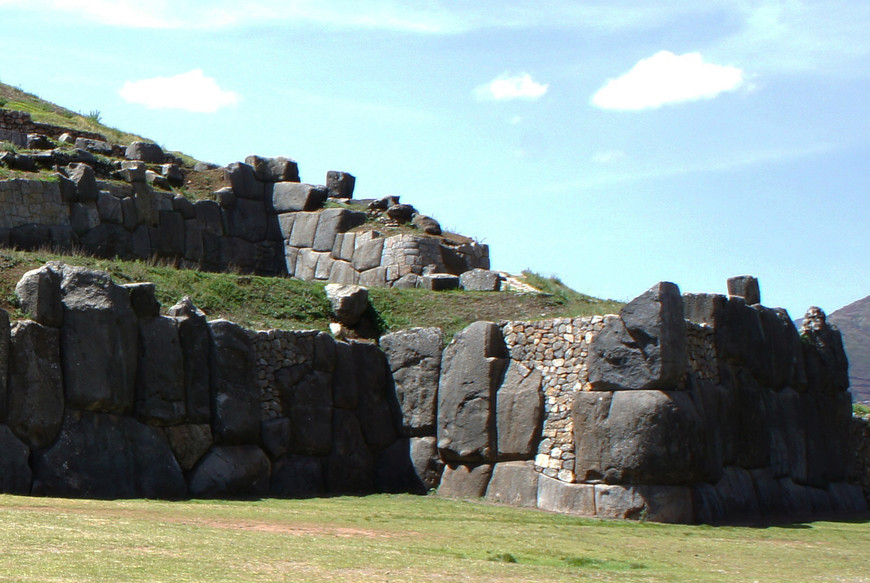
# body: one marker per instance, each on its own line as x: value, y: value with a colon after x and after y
x: 693, y: 408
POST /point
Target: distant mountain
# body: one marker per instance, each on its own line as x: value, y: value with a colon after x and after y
x: 854, y: 323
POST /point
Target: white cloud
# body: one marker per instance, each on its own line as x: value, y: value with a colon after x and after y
x: 191, y: 91
x: 507, y: 87
x: 666, y: 78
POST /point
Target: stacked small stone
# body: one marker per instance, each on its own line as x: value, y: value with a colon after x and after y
x: 274, y: 350
x: 701, y: 351
x: 558, y: 349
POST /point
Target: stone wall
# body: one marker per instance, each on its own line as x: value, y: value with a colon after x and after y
x: 695, y: 408
x: 14, y: 124
x: 263, y: 223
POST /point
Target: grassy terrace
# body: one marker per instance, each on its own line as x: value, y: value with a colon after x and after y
x: 269, y: 302
x: 399, y: 538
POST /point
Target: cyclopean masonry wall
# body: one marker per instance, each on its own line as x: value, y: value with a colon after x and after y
x: 695, y: 408
x: 265, y: 222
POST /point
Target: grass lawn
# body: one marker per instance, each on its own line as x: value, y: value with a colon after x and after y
x: 399, y: 538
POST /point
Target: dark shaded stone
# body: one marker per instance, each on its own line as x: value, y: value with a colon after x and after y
x: 402, y: 213
x: 645, y: 347
x: 409, y: 465
x: 209, y: 216
x: 414, y: 357
x: 243, y: 181
x: 160, y: 394
x: 237, y: 471
x: 669, y: 504
x: 827, y: 367
x: 519, y: 413
x: 193, y: 333
x: 15, y: 474
x: 189, y: 442
x: 145, y: 151
x: 275, y: 435
x: 306, y: 397
x: 247, y: 220
x: 345, y: 392
x: 236, y: 253
x: 143, y: 299
x: 234, y: 391
x: 350, y: 466
x: 98, y: 455
x: 109, y: 209
x: 35, y: 401
x: 168, y: 238
x: 426, y: 224
x: 107, y: 240
x: 294, y: 196
x: 83, y: 216
x: 38, y: 293
x: 5, y: 349
x: 86, y: 182
x: 638, y: 437
x: 278, y: 169
x: 462, y: 481
x: 472, y: 368
x: 99, y: 341
x: 439, y: 282
x: 297, y: 476
x: 372, y: 378
x: 340, y: 184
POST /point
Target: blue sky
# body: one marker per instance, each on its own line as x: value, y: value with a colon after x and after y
x: 614, y: 144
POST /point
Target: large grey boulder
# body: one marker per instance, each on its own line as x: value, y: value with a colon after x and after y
x: 294, y: 196
x: 414, y: 357
x: 38, y: 293
x: 669, y: 504
x: 480, y: 280
x: 147, y: 152
x: 304, y: 229
x: 99, y: 341
x: 193, y: 333
x: 349, y: 302
x: 160, y: 394
x: 409, y: 465
x: 278, y: 169
x: 439, y: 282
x: 557, y: 496
x: 464, y: 481
x: 638, y: 437
x: 86, y: 182
x: 98, y: 455
x: 340, y: 184
x: 345, y: 394
x: 35, y: 397
x: 645, y: 347
x: 519, y: 413
x: 15, y: 474
x: 234, y: 391
x: 243, y: 181
x: 331, y: 223
x: 231, y: 471
x: 472, y: 369
x: 247, y: 220
x: 367, y: 253
x: 514, y: 483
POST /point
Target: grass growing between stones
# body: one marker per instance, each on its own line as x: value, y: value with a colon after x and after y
x: 272, y: 302
x: 399, y: 538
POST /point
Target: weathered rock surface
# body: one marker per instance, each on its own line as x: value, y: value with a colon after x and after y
x: 147, y: 152
x: 349, y: 302
x: 35, y: 399
x: 235, y: 471
x: 414, y: 358
x: 514, y: 483
x: 235, y: 398
x: 645, y: 347
x: 472, y: 369
x: 519, y: 413
x: 465, y: 481
x: 98, y: 455
x: 480, y: 280
x: 15, y: 474
x: 38, y: 293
